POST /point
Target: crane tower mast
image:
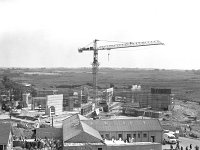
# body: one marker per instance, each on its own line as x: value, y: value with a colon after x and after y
x: 95, y: 63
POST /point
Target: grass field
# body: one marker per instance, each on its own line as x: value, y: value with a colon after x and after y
x: 185, y: 84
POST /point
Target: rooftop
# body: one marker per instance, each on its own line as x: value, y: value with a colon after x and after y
x: 73, y: 127
x: 125, y: 124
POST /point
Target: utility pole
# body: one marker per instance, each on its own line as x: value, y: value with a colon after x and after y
x: 52, y: 121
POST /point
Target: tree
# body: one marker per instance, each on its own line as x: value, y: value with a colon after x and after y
x: 33, y: 92
x: 7, y: 83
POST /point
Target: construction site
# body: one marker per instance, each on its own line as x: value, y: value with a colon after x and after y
x: 77, y: 108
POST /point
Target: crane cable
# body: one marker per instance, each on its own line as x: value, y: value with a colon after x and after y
x: 112, y: 41
x: 89, y: 44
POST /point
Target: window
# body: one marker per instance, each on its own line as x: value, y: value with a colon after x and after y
x: 144, y: 135
x: 128, y: 137
x: 107, y: 136
x: 120, y: 136
x: 134, y: 135
x: 138, y: 135
x: 99, y: 148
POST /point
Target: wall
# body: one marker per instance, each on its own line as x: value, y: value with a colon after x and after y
x: 149, y: 146
x: 160, y: 101
x: 49, y: 133
x: 39, y: 101
x: 115, y: 135
x: 136, y: 146
x: 68, y: 103
x: 57, y: 102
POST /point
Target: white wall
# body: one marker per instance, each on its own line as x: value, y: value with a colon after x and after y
x: 56, y: 101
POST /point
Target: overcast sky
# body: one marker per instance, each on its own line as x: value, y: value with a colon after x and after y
x: 48, y: 33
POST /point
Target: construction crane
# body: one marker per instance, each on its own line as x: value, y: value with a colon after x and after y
x: 95, y: 49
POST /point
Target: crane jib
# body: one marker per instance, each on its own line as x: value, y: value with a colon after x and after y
x: 129, y: 44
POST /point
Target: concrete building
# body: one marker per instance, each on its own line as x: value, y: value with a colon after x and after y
x: 108, y: 95
x: 68, y: 103
x: 157, y: 99
x: 39, y: 102
x: 53, y: 104
x: 6, y: 139
x: 160, y: 98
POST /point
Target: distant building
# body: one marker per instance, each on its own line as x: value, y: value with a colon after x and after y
x: 108, y: 95
x: 6, y: 139
x: 160, y: 98
x: 43, y: 93
x: 53, y: 104
x: 157, y: 99
x: 68, y: 103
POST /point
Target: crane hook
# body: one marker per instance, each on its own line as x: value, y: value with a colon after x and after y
x: 108, y: 54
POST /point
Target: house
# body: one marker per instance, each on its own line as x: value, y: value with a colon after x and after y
x: 80, y: 132
x: 142, y: 130
x: 6, y: 140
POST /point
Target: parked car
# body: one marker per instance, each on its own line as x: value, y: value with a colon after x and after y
x: 169, y: 138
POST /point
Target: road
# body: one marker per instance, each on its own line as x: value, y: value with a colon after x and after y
x: 184, y: 142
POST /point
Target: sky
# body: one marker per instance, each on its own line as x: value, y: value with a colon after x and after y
x: 48, y: 33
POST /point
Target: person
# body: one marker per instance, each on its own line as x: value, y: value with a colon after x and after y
x: 190, y: 146
x: 171, y: 147
x: 186, y: 148
x: 177, y: 145
x: 196, y: 147
x: 181, y: 147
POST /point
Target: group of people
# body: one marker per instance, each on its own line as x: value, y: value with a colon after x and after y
x: 53, y: 144
x: 178, y: 147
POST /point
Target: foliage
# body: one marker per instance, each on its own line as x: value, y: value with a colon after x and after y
x: 13, y: 88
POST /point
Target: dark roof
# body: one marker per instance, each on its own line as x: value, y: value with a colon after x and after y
x: 91, y: 131
x: 125, y: 125
x: 5, y: 129
x: 73, y: 126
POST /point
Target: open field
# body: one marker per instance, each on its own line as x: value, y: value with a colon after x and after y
x: 185, y: 84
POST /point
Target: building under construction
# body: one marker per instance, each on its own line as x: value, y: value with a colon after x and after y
x: 148, y: 103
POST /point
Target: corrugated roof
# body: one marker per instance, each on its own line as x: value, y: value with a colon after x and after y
x: 91, y: 131
x: 73, y: 126
x: 5, y: 129
x: 125, y: 125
